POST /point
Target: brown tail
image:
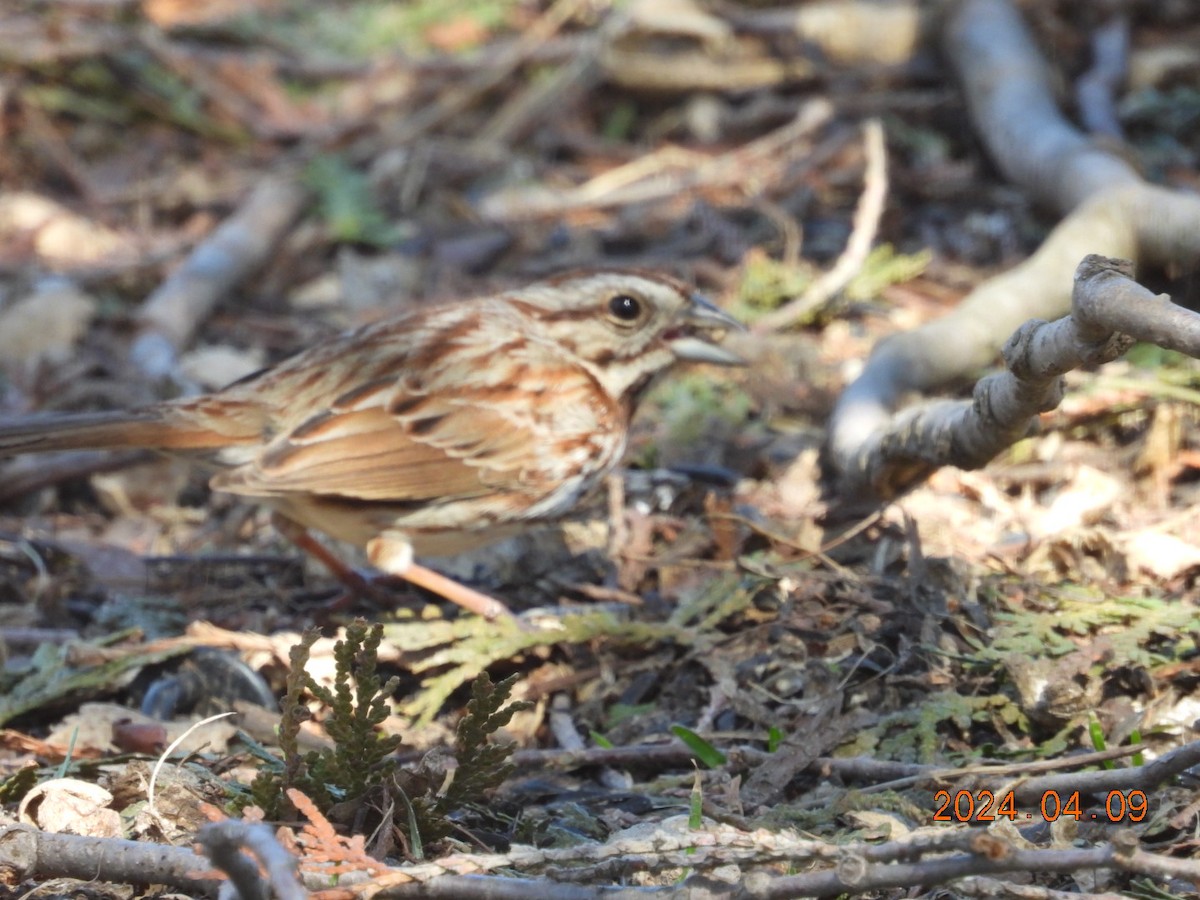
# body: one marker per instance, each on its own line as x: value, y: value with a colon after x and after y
x: 154, y: 428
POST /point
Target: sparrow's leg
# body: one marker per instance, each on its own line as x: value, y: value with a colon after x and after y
x: 393, y: 555
x: 356, y: 583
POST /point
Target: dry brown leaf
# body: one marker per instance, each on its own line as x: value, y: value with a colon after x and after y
x: 91, y: 729
x: 1087, y: 496
x: 180, y: 792
x: 175, y: 13
x: 456, y: 34
x: 59, y: 234
x: 44, y: 326
x: 71, y: 806
x: 19, y: 742
x: 151, y: 485
x: 1161, y: 555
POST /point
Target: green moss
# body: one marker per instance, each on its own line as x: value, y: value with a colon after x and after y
x: 918, y: 733
x: 347, y: 203
x: 1140, y: 631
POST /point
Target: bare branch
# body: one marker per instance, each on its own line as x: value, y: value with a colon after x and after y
x: 34, y: 853
x: 173, y: 312
x: 1111, y: 212
x: 1110, y: 311
x: 1095, y: 92
x: 239, y: 848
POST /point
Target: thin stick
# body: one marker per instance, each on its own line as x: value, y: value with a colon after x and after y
x: 866, y: 224
x: 171, y: 315
x: 453, y: 102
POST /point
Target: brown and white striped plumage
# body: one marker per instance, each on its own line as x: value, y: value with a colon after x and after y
x: 438, y: 429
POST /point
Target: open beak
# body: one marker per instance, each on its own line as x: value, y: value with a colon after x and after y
x: 691, y: 339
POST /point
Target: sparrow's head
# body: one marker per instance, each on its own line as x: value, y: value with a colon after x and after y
x: 626, y: 327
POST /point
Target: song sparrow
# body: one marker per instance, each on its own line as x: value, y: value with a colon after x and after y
x: 436, y: 430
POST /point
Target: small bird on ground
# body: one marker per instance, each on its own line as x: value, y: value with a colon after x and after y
x: 436, y: 430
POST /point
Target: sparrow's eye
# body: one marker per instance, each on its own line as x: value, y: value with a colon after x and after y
x: 624, y: 307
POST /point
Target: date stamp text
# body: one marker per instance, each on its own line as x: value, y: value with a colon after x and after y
x: 984, y: 806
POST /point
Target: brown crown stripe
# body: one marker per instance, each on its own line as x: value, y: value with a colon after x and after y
x: 636, y: 272
x: 541, y: 314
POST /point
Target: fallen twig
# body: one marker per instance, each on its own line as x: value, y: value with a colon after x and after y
x: 1096, y: 90
x: 463, y: 96
x: 888, y: 775
x: 542, y: 97
x: 31, y: 853
x: 668, y: 172
x: 1110, y: 312
x: 240, y: 848
x: 242, y: 243
x: 850, y: 263
x: 1111, y: 212
x: 1101, y: 781
x: 992, y: 856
